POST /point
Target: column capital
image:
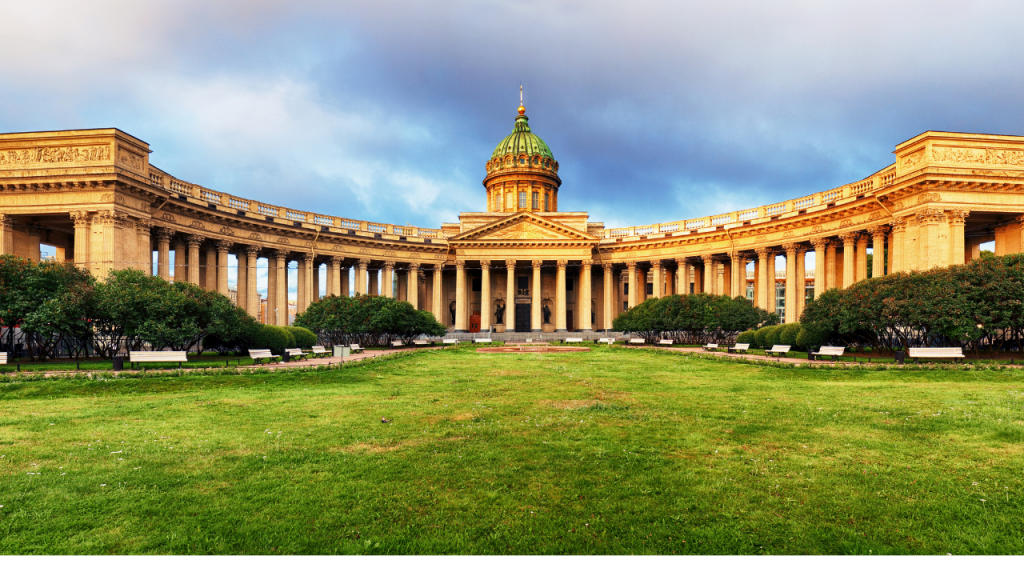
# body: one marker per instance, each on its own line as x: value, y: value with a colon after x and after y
x: 958, y: 217
x: 631, y: 266
x: 561, y: 264
x: 681, y: 262
x: 81, y: 217
x: 336, y: 260
x: 279, y: 254
x: 164, y: 234
x: 389, y: 265
x: 790, y: 248
x: 587, y: 263
x: 899, y: 224
x: 656, y: 264
x: 707, y: 258
x: 485, y: 263
x: 364, y: 263
x: 414, y: 266
x: 510, y: 264
x: 224, y: 245
x: 438, y: 267
x: 878, y: 230
x: 253, y: 249
x: 608, y: 267
x: 145, y: 225
x: 764, y: 252
x: 537, y: 263
x: 820, y: 244
x: 195, y: 240
x: 930, y: 216
x: 460, y: 264
x: 849, y: 238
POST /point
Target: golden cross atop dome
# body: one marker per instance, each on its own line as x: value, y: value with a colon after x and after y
x: 522, y: 110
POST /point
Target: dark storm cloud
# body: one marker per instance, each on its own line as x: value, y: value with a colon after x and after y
x: 387, y: 110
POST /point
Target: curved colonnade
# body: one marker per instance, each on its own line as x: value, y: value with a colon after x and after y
x: 94, y: 196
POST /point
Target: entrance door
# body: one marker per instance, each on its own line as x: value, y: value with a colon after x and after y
x: 522, y: 317
x: 474, y: 323
x: 568, y: 320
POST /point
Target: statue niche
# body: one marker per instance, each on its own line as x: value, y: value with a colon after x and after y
x: 546, y: 311
x: 499, y: 311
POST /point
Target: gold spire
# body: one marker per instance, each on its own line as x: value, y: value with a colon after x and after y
x: 522, y: 110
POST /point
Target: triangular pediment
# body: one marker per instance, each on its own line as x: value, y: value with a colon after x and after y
x: 524, y: 227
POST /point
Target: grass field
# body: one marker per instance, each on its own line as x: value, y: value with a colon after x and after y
x: 605, y: 452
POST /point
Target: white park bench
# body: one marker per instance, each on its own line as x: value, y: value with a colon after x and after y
x: 449, y: 341
x: 295, y: 353
x: 421, y: 342
x: 136, y: 357
x: 3, y: 357
x: 574, y: 340
x: 355, y: 348
x: 739, y: 348
x: 320, y: 351
x: 260, y: 355
x: 833, y: 351
x: 637, y: 341
x: 778, y: 349
x: 936, y: 354
x: 710, y: 346
x: 665, y: 342
x: 482, y: 341
x: 608, y: 341
x: 397, y: 344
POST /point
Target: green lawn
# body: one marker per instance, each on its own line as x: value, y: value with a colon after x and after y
x: 606, y: 452
x: 206, y: 360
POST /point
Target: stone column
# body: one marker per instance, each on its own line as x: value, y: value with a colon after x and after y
x: 271, y: 289
x: 388, y: 279
x: 633, y: 283
x: 710, y: 273
x: 609, y: 295
x: 314, y: 284
x: 763, y: 277
x: 163, y: 248
x: 682, y: 276
x: 849, y: 257
x: 180, y: 260
x: 862, y: 257
x: 536, y: 321
x: 801, y: 280
x: 241, y: 283
x: 436, y: 306
x: 585, y: 323
x: 485, y: 295
x: 343, y: 271
x: 209, y: 273
x: 932, y: 253
x: 372, y: 288
x: 193, y: 258
x: 330, y: 288
x: 891, y: 258
x: 412, y: 285
x: 560, y: 294
x: 737, y: 274
x: 878, y: 250
x: 830, y: 265
x: 461, y: 321
x: 302, y: 286
x: 510, y: 296
x: 896, y: 247
x: 222, y: 266
x: 658, y: 280
x: 252, y: 295
x: 278, y: 310
x: 957, y: 219
x: 145, y: 246
x: 311, y: 288
x: 361, y: 278
x: 819, y: 265
x: 791, y: 306
x: 83, y: 222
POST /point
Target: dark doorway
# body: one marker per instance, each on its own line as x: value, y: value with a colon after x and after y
x: 568, y: 320
x: 522, y: 317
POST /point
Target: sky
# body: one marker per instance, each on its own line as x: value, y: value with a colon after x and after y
x: 387, y: 110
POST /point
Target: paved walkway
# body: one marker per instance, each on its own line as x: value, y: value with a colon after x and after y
x: 785, y: 360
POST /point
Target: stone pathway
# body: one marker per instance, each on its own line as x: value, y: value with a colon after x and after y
x: 747, y: 356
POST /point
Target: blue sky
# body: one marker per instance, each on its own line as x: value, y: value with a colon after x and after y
x: 388, y: 110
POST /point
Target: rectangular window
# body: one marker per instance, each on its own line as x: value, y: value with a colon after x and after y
x: 650, y: 288
x: 625, y: 306
x: 536, y: 201
x: 625, y: 288
x: 750, y: 292
x: 546, y: 203
x: 510, y: 202
x: 780, y: 299
x: 522, y: 199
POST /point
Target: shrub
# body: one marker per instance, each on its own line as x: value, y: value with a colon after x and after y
x: 772, y: 336
x: 788, y: 334
x: 746, y: 337
x: 761, y: 337
x: 303, y: 338
x: 276, y: 338
x: 810, y: 337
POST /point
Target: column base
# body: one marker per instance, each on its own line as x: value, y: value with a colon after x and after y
x: 561, y: 330
x: 536, y: 330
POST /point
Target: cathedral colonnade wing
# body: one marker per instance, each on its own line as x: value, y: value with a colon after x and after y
x: 522, y: 264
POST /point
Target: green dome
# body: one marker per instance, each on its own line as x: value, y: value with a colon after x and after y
x: 522, y: 141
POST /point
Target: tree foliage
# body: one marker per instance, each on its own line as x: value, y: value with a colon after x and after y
x: 693, y: 318
x: 367, y: 320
